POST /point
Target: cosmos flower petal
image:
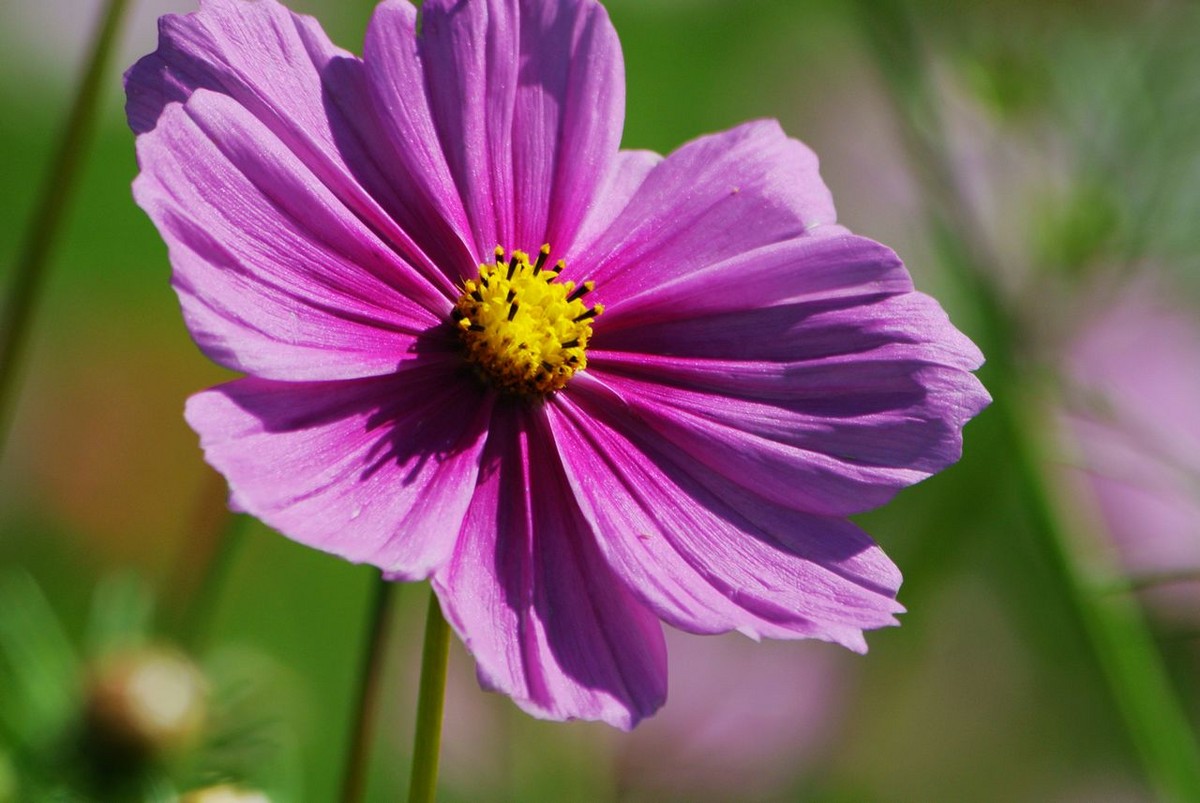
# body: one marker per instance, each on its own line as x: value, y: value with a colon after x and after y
x: 377, y: 470
x: 714, y: 198
x: 899, y: 423
x: 529, y: 101
x: 535, y: 602
x: 275, y: 276
x: 708, y: 556
x: 396, y: 81
x: 819, y: 331
x: 313, y: 97
x: 261, y: 54
x: 828, y: 406
x: 827, y: 265
x: 620, y: 186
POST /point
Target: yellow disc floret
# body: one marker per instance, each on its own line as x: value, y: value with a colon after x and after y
x: 525, y: 332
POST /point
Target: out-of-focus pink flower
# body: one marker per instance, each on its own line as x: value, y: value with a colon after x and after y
x: 745, y: 720
x: 1134, y: 410
x: 396, y: 250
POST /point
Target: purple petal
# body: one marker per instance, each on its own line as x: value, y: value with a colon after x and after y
x: 707, y: 555
x: 714, y: 198
x: 827, y: 406
x: 620, y: 186
x: 826, y: 330
x: 528, y: 100
x: 396, y: 81
x: 829, y: 264
x: 534, y: 601
x: 901, y: 423
x: 312, y: 96
x: 275, y: 276
x: 376, y: 470
x: 259, y: 53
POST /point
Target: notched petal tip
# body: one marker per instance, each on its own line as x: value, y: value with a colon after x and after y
x: 227, y: 46
x: 529, y: 593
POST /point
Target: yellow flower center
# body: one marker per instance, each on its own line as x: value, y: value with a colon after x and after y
x: 525, y: 332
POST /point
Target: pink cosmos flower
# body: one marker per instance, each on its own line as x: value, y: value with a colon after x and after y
x: 746, y: 721
x: 1134, y: 369
x: 580, y: 389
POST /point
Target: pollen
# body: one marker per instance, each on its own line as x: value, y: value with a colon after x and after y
x: 525, y: 332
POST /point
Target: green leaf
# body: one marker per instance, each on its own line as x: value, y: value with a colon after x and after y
x: 122, y: 608
x: 41, y: 669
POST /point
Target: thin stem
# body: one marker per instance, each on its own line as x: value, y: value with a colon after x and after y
x: 48, y: 215
x: 427, y: 743
x: 1121, y: 641
x: 204, y: 561
x: 196, y: 619
x: 1124, y: 646
x: 354, y: 782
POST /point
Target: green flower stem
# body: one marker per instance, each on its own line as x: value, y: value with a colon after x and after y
x: 48, y: 215
x: 1126, y: 651
x: 206, y: 558
x: 1113, y: 623
x: 354, y: 782
x: 427, y: 743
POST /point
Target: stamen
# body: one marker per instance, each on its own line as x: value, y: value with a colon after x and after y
x: 535, y: 353
x: 543, y: 255
x: 518, y: 258
x: 592, y: 313
x: 582, y: 290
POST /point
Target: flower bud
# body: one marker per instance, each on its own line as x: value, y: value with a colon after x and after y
x: 225, y: 793
x: 142, y: 705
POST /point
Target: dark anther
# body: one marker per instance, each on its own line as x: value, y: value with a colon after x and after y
x: 512, y: 267
x: 583, y: 316
x: 511, y: 295
x: 542, y: 256
x: 512, y: 311
x: 579, y: 292
x: 570, y: 344
x: 478, y: 296
x: 476, y: 327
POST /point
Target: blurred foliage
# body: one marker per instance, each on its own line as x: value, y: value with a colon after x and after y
x: 125, y: 715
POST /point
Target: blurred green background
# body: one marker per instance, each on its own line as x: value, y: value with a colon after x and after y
x: 1068, y: 130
